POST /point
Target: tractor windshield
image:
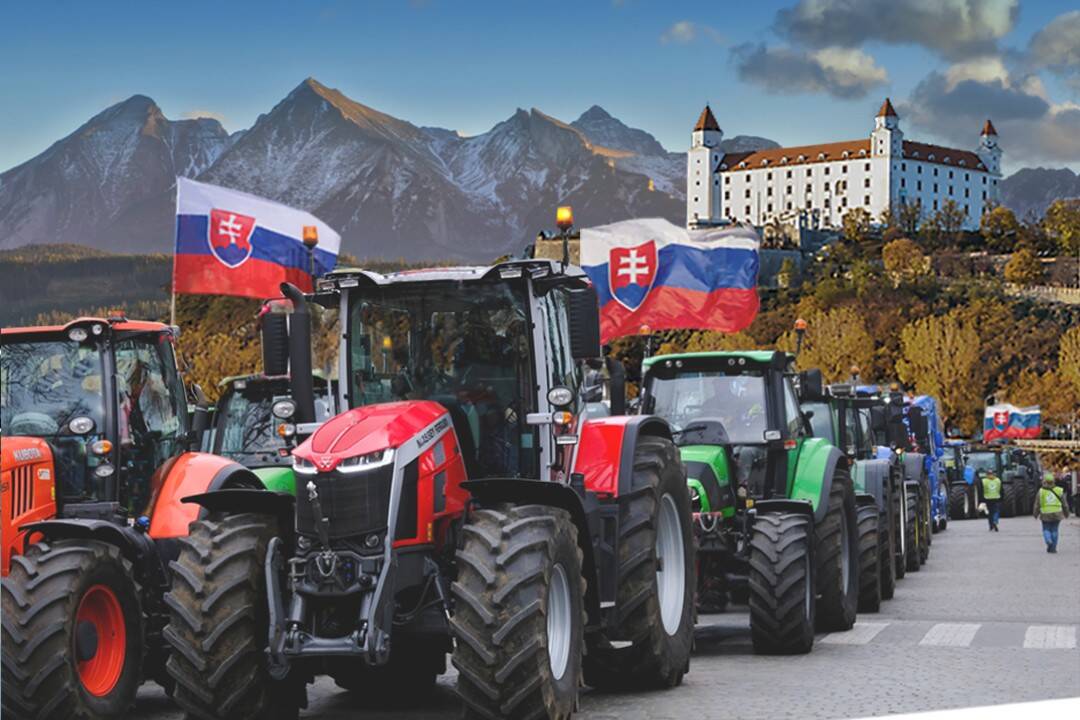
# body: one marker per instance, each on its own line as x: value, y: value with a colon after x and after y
x: 986, y: 461
x: 247, y: 429
x: 465, y: 346
x: 737, y: 401
x: 44, y: 386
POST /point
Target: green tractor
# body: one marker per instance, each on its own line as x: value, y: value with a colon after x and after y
x: 847, y: 420
x: 1019, y: 472
x: 774, y: 507
x: 254, y: 424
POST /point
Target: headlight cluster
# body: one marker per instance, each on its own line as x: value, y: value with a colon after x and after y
x: 303, y: 467
x: 367, y: 462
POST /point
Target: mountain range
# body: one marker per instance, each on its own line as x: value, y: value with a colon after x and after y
x: 391, y: 188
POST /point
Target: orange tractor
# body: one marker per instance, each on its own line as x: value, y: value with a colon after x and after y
x: 96, y: 431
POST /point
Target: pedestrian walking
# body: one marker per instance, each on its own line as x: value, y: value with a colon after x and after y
x: 991, y: 487
x: 1051, y: 509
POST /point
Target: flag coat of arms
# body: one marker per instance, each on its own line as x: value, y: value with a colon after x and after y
x: 1005, y: 421
x: 232, y: 243
x: 652, y: 275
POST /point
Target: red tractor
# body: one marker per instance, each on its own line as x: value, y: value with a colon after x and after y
x: 96, y: 430
x: 462, y: 503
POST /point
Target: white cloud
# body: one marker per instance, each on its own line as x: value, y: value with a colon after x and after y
x: 685, y: 32
x: 952, y: 28
x: 1057, y: 48
x: 840, y: 72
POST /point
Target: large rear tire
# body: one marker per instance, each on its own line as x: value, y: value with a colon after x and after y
x: 913, y: 529
x: 782, y: 594
x: 519, y: 615
x: 925, y: 523
x: 1009, y: 499
x: 72, y: 632
x: 655, y: 598
x: 837, y: 554
x: 887, y: 551
x: 870, y: 561
x: 959, y: 500
x: 219, y: 623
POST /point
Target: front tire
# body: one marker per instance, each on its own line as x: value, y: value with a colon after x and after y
x: 870, y: 562
x: 959, y: 501
x: 73, y: 633
x: 655, y: 598
x: 219, y: 623
x: 519, y: 615
x: 900, y: 530
x: 782, y: 594
x: 1009, y: 499
x: 913, y: 529
x: 837, y: 553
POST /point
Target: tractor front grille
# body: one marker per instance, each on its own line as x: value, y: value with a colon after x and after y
x: 22, y: 490
x: 355, y: 504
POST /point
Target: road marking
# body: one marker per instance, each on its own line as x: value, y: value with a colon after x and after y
x: 860, y: 634
x: 951, y: 634
x: 1050, y: 637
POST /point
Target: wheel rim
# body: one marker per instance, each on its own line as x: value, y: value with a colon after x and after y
x: 670, y: 566
x: 559, y: 622
x: 101, y: 640
x: 845, y: 552
x: 967, y: 505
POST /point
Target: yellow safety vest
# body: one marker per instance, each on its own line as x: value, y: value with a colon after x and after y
x: 1049, y: 500
x: 991, y: 487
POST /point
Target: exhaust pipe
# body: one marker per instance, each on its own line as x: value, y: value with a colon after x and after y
x: 300, y: 380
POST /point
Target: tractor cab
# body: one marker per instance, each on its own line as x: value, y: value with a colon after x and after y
x: 736, y: 420
x: 107, y: 398
x: 254, y: 424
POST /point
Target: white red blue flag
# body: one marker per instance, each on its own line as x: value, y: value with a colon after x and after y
x: 232, y: 243
x: 652, y: 275
x: 1005, y: 421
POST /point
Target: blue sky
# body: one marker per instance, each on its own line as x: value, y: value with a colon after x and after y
x: 766, y: 67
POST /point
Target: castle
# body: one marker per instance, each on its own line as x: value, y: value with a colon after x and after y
x: 879, y: 172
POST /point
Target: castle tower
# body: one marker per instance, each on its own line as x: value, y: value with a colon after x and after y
x: 703, y: 206
x: 887, y: 138
x: 989, y: 151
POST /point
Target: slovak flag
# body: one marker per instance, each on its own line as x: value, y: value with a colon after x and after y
x: 232, y: 243
x: 652, y: 275
x: 1011, y: 422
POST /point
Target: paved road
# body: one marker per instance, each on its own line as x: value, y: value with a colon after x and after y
x: 990, y: 619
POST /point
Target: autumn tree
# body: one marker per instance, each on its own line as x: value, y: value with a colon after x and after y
x: 908, y: 217
x: 950, y: 221
x: 1069, y: 358
x: 856, y: 225
x: 834, y: 341
x: 940, y: 357
x: 1023, y: 268
x: 1063, y: 223
x: 999, y: 228
x: 903, y: 259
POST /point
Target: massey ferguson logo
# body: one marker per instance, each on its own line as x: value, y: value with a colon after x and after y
x: 230, y: 237
x: 432, y: 432
x: 24, y: 454
x: 325, y: 462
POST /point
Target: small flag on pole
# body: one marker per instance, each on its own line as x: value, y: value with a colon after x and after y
x: 649, y: 273
x: 1005, y: 421
x: 232, y: 243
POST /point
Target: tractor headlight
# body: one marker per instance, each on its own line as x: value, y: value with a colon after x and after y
x: 103, y: 471
x: 81, y: 425
x: 370, y: 461
x: 303, y: 467
x: 78, y: 334
x: 283, y: 409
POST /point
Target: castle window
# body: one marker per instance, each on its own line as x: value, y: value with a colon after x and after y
x: 802, y: 158
x: 716, y: 182
x: 789, y: 205
x: 727, y: 194
x: 698, y: 161
x: 935, y: 187
x: 918, y: 186
x: 787, y: 190
x: 915, y: 154
x: 809, y: 204
x: 809, y: 172
x: 935, y: 204
x: 866, y: 200
x: 723, y: 166
x: 748, y: 192
x: 764, y: 162
x: 903, y: 166
x: 698, y: 182
x: 950, y: 173
x: 966, y: 210
x: 783, y: 160
x: 862, y: 153
x: 967, y: 177
x: 963, y: 162
x: 826, y: 187
x: 826, y: 202
x: 984, y: 181
x: 789, y: 173
x: 746, y: 177
x: 866, y: 182
x: 930, y: 156
x: 995, y: 181
x: 747, y: 211
x: 903, y: 182
x: 918, y: 169
x: 768, y: 191
x: 935, y: 169
x: 821, y: 156
x: 950, y: 189
x: 768, y: 208
x: 843, y: 201
x: 843, y: 168
x: 768, y: 176
x: 967, y: 192
x: 845, y: 154
x: 695, y: 199
x: 742, y: 164
x: 984, y: 195
x: 866, y: 167
x: 727, y: 179
x: 826, y: 169
x: 946, y: 160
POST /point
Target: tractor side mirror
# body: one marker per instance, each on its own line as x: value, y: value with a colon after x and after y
x: 584, y: 323
x: 879, y: 420
x: 811, y: 386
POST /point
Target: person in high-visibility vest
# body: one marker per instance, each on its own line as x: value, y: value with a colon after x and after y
x: 1051, y: 508
x: 991, y: 489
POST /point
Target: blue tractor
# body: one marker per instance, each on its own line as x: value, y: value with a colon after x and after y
x: 960, y: 476
x: 930, y: 441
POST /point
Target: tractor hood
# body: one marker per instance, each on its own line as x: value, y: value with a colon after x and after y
x: 371, y: 429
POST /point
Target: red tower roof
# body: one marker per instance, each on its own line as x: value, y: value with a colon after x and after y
x: 988, y: 128
x: 887, y: 109
x: 706, y: 121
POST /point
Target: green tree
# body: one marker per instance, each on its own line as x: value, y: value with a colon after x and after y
x: 835, y: 340
x: 999, y: 228
x: 903, y: 260
x: 951, y: 221
x: 940, y: 357
x: 1063, y: 223
x: 1023, y: 268
x: 908, y: 218
x: 856, y: 225
x: 1069, y: 358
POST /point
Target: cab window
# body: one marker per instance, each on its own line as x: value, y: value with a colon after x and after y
x: 791, y: 411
